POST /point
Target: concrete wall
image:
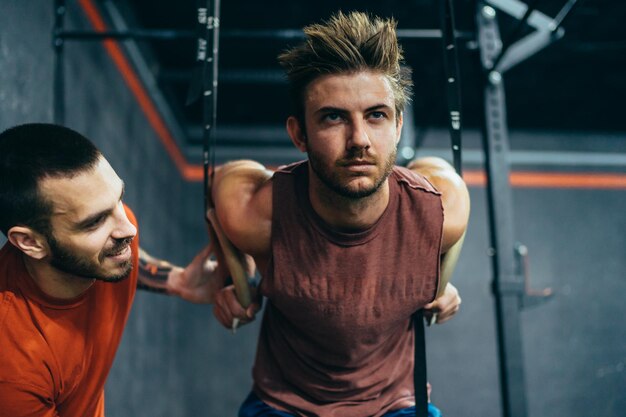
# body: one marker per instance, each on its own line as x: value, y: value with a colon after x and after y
x: 168, y: 362
x: 176, y: 361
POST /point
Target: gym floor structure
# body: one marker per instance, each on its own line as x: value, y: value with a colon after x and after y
x: 541, y: 331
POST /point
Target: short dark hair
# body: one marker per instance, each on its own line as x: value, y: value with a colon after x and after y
x: 30, y: 153
x: 347, y: 43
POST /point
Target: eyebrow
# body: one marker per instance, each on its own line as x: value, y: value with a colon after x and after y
x: 381, y: 106
x: 83, y: 224
x: 331, y: 109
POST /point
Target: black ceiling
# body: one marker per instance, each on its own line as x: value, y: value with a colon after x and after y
x: 579, y: 82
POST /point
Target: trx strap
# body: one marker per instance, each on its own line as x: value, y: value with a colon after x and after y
x: 207, y: 53
x: 204, y: 83
x: 207, y: 61
x: 196, y: 84
x: 453, y: 95
x: 420, y: 374
x: 453, y: 84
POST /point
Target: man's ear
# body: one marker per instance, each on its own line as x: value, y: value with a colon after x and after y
x: 28, y: 241
x: 294, y: 129
x: 399, y: 122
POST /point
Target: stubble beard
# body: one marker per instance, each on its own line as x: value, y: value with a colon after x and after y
x: 334, y: 182
x: 64, y: 260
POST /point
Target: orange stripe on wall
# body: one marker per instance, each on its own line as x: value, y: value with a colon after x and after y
x: 528, y: 179
x: 188, y: 171
x: 194, y: 172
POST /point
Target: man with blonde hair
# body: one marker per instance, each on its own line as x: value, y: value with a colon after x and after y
x: 348, y: 244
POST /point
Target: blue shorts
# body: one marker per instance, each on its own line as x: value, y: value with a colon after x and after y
x: 254, y: 407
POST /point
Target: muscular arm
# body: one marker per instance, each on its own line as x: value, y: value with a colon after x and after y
x: 454, y: 196
x: 242, y: 193
x: 243, y: 207
x: 456, y: 207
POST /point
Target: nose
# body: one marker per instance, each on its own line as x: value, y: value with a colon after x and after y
x: 124, y: 229
x: 358, y: 136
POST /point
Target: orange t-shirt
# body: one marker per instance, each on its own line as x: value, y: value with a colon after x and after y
x: 55, y: 354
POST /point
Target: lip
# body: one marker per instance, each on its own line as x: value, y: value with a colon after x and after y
x: 123, y: 255
x: 351, y: 162
x: 358, y: 166
x: 358, y: 163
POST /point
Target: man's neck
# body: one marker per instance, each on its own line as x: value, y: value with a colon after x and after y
x: 53, y: 282
x: 348, y: 214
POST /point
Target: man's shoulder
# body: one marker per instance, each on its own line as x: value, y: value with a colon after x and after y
x: 291, y: 168
x: 26, y: 381
x: 10, y: 259
x: 412, y: 179
x: 286, y: 177
x: 26, y: 358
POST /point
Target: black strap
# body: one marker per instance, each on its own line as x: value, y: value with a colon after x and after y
x: 208, y: 54
x: 420, y: 379
x: 453, y: 82
x: 453, y: 93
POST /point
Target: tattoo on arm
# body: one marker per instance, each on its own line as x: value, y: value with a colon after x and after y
x: 153, y: 273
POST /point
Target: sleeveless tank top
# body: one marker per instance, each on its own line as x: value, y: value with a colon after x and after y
x: 336, y: 337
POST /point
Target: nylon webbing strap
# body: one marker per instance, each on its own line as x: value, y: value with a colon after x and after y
x: 209, y: 17
x: 196, y: 83
x: 453, y: 95
x: 420, y: 379
x: 453, y: 85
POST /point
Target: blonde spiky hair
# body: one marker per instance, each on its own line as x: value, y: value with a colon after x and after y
x: 347, y: 43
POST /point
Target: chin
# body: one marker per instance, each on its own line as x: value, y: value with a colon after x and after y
x: 360, y: 189
x: 357, y: 192
x: 118, y: 274
x: 115, y: 278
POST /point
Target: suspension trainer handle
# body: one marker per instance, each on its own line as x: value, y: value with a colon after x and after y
x: 207, y: 54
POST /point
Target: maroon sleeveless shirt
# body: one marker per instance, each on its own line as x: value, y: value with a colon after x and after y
x: 336, y: 337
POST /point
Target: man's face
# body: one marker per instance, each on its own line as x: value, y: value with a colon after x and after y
x: 352, y: 132
x: 90, y: 232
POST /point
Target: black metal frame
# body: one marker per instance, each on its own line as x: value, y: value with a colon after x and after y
x: 510, y: 282
x: 60, y: 36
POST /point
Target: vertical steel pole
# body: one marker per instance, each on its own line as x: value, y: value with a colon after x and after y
x: 508, y: 283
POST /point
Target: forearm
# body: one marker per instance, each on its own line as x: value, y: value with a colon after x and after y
x: 154, y: 273
x: 448, y: 264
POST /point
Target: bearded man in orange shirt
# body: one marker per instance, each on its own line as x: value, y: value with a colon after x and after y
x: 69, y: 272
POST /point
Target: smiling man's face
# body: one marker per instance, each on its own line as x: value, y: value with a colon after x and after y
x: 90, y: 232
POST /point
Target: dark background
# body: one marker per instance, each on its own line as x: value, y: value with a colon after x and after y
x: 566, y: 116
x: 574, y: 84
